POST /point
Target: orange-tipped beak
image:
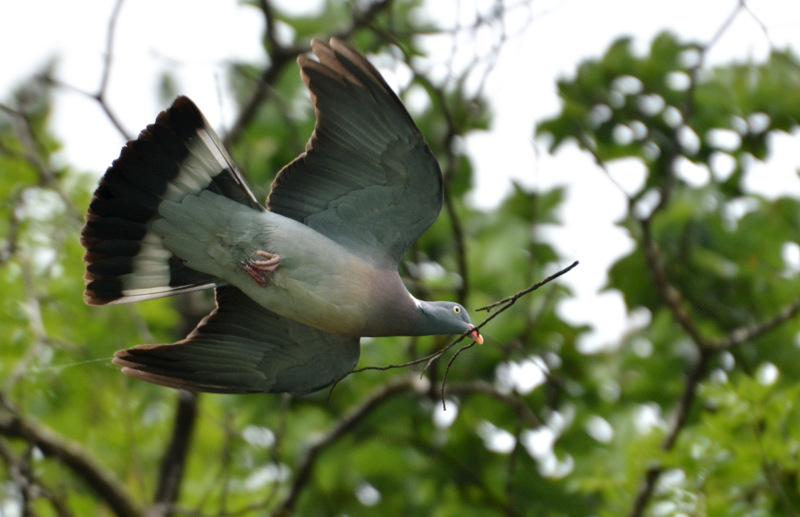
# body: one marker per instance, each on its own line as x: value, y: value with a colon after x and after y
x: 475, y: 335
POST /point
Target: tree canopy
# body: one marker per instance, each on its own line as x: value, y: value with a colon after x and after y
x: 690, y: 412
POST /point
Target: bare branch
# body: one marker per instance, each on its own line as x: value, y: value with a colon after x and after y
x: 430, y: 358
x: 511, y: 300
x: 447, y: 371
x: 100, y: 96
x: 280, y: 57
x: 112, y: 25
x: 458, y: 234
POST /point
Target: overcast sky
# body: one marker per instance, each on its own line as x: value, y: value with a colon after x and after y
x: 193, y: 39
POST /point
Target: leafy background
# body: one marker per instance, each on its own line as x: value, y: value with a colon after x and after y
x: 690, y: 412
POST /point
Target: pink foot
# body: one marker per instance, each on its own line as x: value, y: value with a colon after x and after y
x: 257, y: 268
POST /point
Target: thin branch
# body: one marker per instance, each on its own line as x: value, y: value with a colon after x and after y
x: 100, y: 96
x: 280, y: 57
x: 447, y: 372
x: 511, y: 300
x: 430, y: 358
x: 110, y: 31
x: 748, y: 333
x: 458, y: 235
x: 669, y: 294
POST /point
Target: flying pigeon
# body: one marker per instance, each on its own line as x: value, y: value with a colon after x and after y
x: 298, y: 282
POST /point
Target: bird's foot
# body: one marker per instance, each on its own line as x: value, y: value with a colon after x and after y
x: 257, y: 268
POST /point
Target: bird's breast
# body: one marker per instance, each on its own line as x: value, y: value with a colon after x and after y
x: 322, y: 284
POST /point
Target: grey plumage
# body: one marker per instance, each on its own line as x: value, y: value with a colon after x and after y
x: 298, y: 282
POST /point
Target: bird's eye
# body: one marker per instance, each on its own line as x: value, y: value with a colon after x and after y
x: 457, y: 309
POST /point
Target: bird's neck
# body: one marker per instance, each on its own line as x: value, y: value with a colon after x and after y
x: 394, y: 311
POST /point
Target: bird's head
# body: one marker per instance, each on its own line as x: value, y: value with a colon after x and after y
x: 448, y: 318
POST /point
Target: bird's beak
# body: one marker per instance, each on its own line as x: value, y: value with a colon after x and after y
x: 475, y: 335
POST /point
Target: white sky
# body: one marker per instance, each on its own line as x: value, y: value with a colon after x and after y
x: 192, y: 39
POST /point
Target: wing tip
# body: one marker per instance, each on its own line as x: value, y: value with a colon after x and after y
x: 100, y: 290
x: 132, y: 367
x: 141, y: 362
x: 134, y: 364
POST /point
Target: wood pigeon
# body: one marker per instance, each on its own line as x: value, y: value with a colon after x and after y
x: 299, y: 281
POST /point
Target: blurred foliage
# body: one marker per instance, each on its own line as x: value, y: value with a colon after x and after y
x: 533, y: 425
x: 725, y: 252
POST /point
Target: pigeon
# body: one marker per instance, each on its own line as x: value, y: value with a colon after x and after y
x: 298, y: 281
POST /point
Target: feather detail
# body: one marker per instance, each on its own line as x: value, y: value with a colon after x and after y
x: 242, y: 347
x: 178, y: 155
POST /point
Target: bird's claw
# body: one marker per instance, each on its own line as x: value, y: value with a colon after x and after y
x: 257, y: 268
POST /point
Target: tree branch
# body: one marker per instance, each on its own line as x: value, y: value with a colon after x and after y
x: 73, y: 456
x: 750, y: 332
x: 29, y: 485
x: 511, y: 300
x: 669, y: 294
x: 100, y: 94
x: 347, y: 422
x: 174, y: 460
x: 674, y: 301
x: 430, y: 358
x: 281, y: 56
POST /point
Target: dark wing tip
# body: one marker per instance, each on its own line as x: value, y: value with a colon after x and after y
x: 157, y: 364
x: 183, y: 116
x: 131, y: 362
x: 340, y: 61
x: 125, y: 205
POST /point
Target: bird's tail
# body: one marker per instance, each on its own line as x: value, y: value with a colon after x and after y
x: 178, y: 155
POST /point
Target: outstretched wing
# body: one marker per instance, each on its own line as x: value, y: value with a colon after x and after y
x: 368, y: 179
x: 243, y: 348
